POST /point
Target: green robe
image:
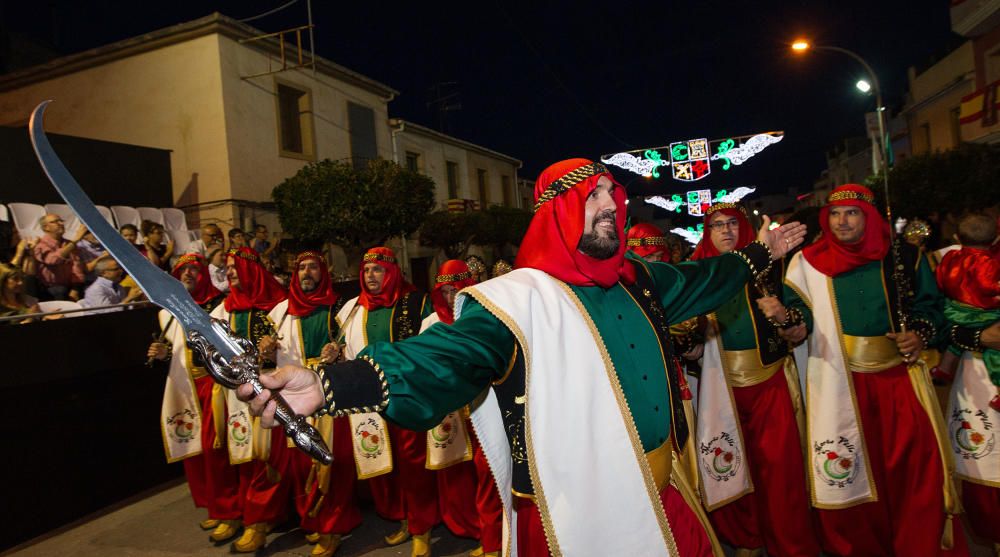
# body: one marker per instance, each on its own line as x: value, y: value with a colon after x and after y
x: 445, y: 367
x: 862, y: 300
x: 317, y: 329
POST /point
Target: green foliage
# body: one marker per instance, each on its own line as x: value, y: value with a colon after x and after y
x: 451, y: 232
x: 504, y: 225
x: 945, y: 182
x: 330, y: 201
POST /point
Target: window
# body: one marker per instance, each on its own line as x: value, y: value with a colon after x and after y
x: 484, y: 197
x: 361, y: 123
x: 452, y: 179
x: 508, y: 194
x: 413, y: 161
x: 956, y: 126
x: 295, y: 126
x: 925, y: 130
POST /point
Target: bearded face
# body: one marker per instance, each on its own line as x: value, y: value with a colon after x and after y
x: 600, y: 235
x: 309, y: 275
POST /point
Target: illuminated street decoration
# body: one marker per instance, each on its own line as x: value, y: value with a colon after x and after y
x: 691, y: 160
x: 691, y: 233
x: 698, y: 201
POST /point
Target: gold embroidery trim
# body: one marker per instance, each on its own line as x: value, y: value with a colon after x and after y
x: 850, y: 196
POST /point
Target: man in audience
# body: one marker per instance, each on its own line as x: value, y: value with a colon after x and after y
x: 237, y: 238
x: 106, y: 289
x: 263, y: 247
x: 211, y: 239
x: 59, y: 268
x: 91, y: 253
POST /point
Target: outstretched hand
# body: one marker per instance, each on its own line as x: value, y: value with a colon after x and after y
x: 299, y: 387
x: 783, y: 239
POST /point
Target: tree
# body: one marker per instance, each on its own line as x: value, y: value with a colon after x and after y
x: 452, y: 232
x: 330, y: 201
x: 947, y: 182
x: 503, y: 226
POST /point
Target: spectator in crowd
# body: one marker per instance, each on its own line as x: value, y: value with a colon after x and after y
x: 17, y: 252
x: 263, y: 247
x: 106, y: 289
x: 677, y: 248
x: 211, y: 238
x: 91, y: 253
x: 130, y: 232
x: 217, y: 269
x: 153, y: 247
x: 59, y: 268
x: 237, y: 238
x: 13, y: 300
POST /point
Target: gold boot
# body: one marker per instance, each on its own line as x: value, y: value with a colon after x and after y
x: 421, y: 545
x: 254, y: 537
x: 208, y: 524
x: 400, y: 536
x: 225, y: 530
x: 326, y: 546
x: 477, y: 552
x: 313, y: 537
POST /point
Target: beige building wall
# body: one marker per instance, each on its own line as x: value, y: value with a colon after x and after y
x: 935, y: 101
x: 168, y: 98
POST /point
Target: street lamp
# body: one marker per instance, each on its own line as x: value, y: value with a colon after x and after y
x: 801, y: 46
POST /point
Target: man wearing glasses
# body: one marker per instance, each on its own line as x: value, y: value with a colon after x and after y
x: 60, y: 270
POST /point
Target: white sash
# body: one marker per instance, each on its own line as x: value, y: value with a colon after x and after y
x: 593, y: 485
x: 448, y: 443
x: 722, y: 458
x: 369, y: 432
x: 837, y: 461
x: 180, y: 415
x: 239, y: 425
x: 973, y: 425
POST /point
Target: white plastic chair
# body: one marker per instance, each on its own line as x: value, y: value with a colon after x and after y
x: 4, y: 213
x: 126, y: 215
x: 106, y: 213
x: 26, y: 217
x: 174, y: 219
x: 56, y: 306
x: 70, y: 220
x: 182, y: 240
x: 151, y: 213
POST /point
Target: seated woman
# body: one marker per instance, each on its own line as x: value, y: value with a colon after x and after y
x: 153, y: 247
x: 13, y: 300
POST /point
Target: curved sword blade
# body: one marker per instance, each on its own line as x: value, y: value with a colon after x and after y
x: 161, y: 288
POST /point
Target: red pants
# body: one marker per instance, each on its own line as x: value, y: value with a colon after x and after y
x: 908, y: 518
x: 777, y: 514
x: 689, y: 534
x: 270, y: 490
x: 410, y: 490
x: 982, y: 507
x: 214, y: 483
x: 336, y: 511
x: 488, y: 503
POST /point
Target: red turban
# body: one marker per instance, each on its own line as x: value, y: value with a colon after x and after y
x: 454, y: 273
x: 829, y: 255
x: 394, y: 285
x: 645, y: 239
x: 301, y: 303
x: 203, y: 290
x: 258, y: 289
x: 554, y: 233
x: 970, y: 276
x: 706, y: 247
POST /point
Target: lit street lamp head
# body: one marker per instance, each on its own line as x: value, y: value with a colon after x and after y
x: 863, y: 86
x: 800, y: 45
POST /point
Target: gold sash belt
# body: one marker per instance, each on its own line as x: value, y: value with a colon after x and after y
x: 660, y: 462
x: 871, y: 354
x: 197, y: 372
x: 743, y: 367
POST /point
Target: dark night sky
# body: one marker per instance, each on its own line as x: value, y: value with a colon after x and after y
x: 546, y: 82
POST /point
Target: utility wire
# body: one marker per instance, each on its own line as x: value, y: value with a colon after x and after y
x: 269, y: 12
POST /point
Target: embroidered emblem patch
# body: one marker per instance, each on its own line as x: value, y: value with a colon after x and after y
x: 183, y: 426
x: 835, y: 462
x: 370, y: 437
x: 972, y: 435
x: 238, y: 429
x: 720, y: 457
x: 444, y: 433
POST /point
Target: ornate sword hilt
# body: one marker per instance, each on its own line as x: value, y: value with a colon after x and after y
x: 245, y: 369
